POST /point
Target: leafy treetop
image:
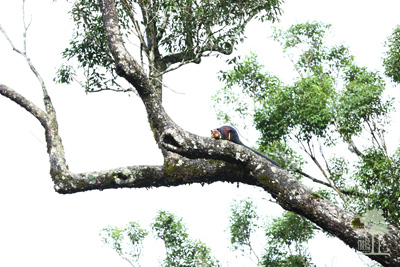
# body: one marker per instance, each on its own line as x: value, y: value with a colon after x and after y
x: 331, y: 101
x: 169, y: 33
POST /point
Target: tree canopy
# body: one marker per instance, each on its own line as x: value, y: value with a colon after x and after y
x: 169, y: 34
x: 332, y: 101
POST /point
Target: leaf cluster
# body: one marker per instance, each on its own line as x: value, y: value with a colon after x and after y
x: 246, y: 87
x: 304, y: 43
x: 90, y: 49
x: 314, y: 105
x: 286, y: 235
x: 304, y: 110
x: 196, y: 26
x: 181, y: 250
x: 242, y: 223
x: 391, y: 60
x: 127, y: 241
x: 361, y: 102
x: 378, y: 176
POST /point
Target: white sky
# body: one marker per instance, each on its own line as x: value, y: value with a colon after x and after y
x: 39, y: 227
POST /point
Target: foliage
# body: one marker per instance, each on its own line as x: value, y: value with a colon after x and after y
x: 379, y: 177
x: 391, y: 61
x: 198, y: 25
x: 304, y: 44
x: 331, y: 102
x: 242, y: 223
x: 339, y: 170
x: 286, y: 237
x: 360, y: 103
x: 181, y: 250
x: 166, y: 32
x: 303, y: 110
x: 89, y: 47
x: 126, y: 241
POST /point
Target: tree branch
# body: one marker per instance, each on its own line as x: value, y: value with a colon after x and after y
x: 294, y: 168
x: 24, y: 103
x: 353, y: 148
x: 315, y: 180
x: 174, y: 172
x: 131, y: 15
x: 55, y: 148
x: 46, y: 98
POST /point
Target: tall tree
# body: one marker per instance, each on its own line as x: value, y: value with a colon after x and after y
x: 188, y: 158
x: 286, y: 237
x: 332, y: 101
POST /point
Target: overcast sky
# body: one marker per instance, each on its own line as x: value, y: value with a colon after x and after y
x: 39, y: 227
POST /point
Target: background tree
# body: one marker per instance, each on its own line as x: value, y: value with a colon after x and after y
x: 127, y: 241
x: 286, y: 238
x: 242, y: 223
x: 180, y: 249
x: 331, y: 102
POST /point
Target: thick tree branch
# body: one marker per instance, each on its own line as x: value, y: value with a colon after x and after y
x: 176, y: 171
x: 24, y: 103
x: 128, y: 68
x: 48, y: 121
x: 183, y: 58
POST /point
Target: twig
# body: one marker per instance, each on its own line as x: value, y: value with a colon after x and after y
x: 333, y: 185
x: 137, y: 28
x: 47, y: 102
x: 323, y: 156
x: 294, y: 168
